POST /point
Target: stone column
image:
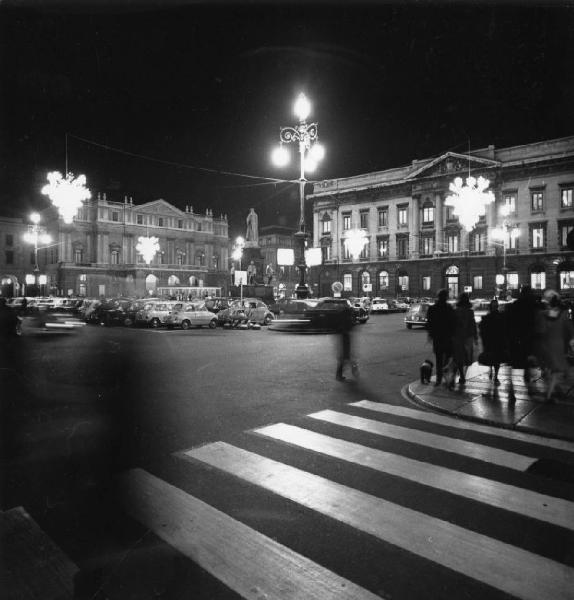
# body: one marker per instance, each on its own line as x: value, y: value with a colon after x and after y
x: 414, y: 229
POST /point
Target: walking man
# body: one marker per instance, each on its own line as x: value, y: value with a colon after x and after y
x: 441, y: 324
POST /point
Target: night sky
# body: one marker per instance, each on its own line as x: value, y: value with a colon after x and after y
x: 208, y: 87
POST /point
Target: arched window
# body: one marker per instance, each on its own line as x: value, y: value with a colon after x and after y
x: 150, y: 283
x: 383, y: 280
x: 452, y: 270
x: 173, y: 280
x: 115, y: 257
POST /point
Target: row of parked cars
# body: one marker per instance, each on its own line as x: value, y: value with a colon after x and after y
x: 184, y: 314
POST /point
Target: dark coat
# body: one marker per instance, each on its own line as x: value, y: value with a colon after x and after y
x: 441, y: 324
x: 492, y: 328
x: 521, y: 322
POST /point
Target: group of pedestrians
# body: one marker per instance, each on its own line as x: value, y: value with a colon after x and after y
x: 529, y: 333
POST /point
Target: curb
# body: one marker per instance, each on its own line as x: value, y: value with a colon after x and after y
x: 490, y: 422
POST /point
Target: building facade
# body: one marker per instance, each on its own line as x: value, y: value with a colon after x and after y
x: 416, y: 245
x: 97, y: 254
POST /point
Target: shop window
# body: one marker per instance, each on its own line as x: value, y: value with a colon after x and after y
x: 383, y: 280
x: 477, y: 282
x: 347, y: 282
x: 538, y: 280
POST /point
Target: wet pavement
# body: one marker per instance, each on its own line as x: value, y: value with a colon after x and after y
x: 481, y: 401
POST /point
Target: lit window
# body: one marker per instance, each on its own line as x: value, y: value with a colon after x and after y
x: 478, y: 242
x: 383, y: 217
x: 383, y: 248
x: 566, y: 198
x: 512, y: 281
x: 537, y: 201
x: 426, y: 283
x: 538, y: 237
x: 404, y: 283
x: 510, y: 202
x: 477, y: 282
x: 428, y: 214
x: 403, y: 220
x: 346, y: 222
x: 427, y: 246
x: 347, y: 282
x: 566, y: 280
x: 402, y: 247
x: 538, y: 281
x: 327, y: 226
x: 364, y: 216
x: 453, y: 243
x: 383, y: 280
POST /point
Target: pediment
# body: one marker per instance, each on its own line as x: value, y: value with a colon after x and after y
x: 452, y: 163
x: 160, y: 207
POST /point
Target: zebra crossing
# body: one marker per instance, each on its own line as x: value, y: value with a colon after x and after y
x: 368, y: 501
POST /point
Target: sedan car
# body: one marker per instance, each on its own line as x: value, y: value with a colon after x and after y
x: 191, y: 315
x: 417, y: 314
x: 248, y: 309
x: 379, y: 305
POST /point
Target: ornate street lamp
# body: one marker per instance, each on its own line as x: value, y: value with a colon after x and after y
x: 148, y: 247
x: 355, y: 241
x: 66, y: 194
x: 36, y: 235
x: 310, y: 152
x: 469, y: 201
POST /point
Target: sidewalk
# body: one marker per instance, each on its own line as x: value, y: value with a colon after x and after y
x: 479, y: 400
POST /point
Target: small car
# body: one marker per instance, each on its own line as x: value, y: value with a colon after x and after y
x: 379, y: 305
x: 191, y: 314
x: 417, y: 314
x: 248, y: 309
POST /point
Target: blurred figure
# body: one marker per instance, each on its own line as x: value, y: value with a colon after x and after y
x: 556, y: 332
x: 465, y: 336
x: 343, y: 326
x: 8, y: 321
x: 521, y: 321
x: 492, y: 330
x: 440, y: 324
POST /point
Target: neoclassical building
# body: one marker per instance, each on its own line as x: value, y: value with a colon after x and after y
x: 416, y: 245
x: 96, y: 255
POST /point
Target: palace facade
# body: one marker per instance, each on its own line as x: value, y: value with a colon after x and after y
x: 415, y: 243
x: 96, y: 255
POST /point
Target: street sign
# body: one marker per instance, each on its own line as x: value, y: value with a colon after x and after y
x: 337, y: 287
x: 367, y: 287
x: 468, y: 288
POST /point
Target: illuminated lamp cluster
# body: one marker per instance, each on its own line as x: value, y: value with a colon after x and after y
x: 148, y: 247
x: 469, y: 201
x: 66, y: 194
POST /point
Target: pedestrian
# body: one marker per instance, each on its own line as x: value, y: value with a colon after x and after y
x: 343, y: 325
x: 440, y: 324
x: 492, y: 328
x: 556, y: 332
x: 521, y: 322
x: 464, y: 338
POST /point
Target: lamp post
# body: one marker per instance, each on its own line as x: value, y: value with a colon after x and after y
x: 310, y: 153
x: 36, y: 234
x: 237, y: 255
x: 505, y: 234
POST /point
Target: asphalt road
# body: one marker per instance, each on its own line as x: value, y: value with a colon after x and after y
x: 220, y: 437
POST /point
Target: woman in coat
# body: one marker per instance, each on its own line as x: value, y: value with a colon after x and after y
x: 464, y: 338
x: 492, y: 328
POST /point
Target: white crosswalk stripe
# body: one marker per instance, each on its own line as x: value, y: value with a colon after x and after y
x: 255, y: 566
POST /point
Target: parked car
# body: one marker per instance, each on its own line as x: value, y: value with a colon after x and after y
x: 116, y: 312
x: 379, y: 305
x: 290, y: 306
x: 154, y: 313
x: 248, y: 309
x: 417, y: 314
x: 217, y: 304
x: 191, y: 314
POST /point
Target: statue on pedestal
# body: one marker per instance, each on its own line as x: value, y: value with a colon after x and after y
x: 252, y: 234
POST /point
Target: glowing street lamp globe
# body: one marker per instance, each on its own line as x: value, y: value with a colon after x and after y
x: 302, y: 107
x: 66, y: 194
x: 469, y: 201
x: 280, y: 156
